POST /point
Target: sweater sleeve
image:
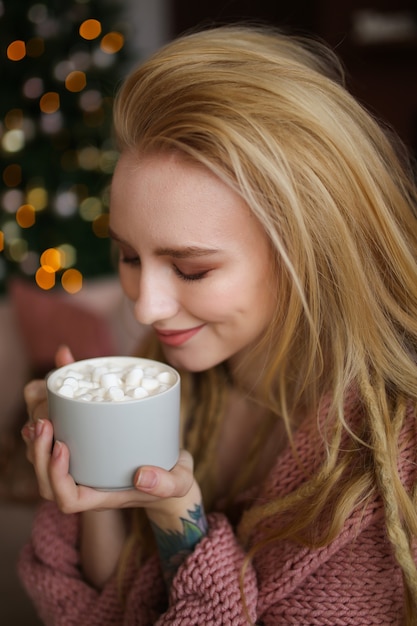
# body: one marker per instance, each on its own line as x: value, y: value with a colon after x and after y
x: 49, y: 569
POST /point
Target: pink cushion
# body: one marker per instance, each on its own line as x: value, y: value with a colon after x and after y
x: 50, y: 319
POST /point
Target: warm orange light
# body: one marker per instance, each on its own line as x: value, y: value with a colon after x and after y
x: 12, y: 175
x: 49, y: 103
x: 90, y: 29
x: 51, y: 260
x: 72, y: 280
x: 101, y: 226
x: 112, y: 42
x: 16, y: 51
x: 45, y: 280
x: 25, y: 216
x: 75, y: 81
x: 1, y: 241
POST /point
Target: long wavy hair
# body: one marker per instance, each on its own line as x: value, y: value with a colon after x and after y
x: 269, y: 114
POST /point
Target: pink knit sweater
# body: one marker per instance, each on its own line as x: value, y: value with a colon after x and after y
x: 353, y: 581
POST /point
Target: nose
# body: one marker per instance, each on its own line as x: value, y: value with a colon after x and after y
x: 156, y: 299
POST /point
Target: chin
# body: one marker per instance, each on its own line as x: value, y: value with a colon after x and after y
x: 182, y: 361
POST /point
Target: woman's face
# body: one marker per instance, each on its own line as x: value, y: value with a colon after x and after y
x: 193, y: 259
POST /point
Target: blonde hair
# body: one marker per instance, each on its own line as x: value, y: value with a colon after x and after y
x: 270, y: 116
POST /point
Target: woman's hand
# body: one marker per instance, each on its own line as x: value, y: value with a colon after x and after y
x: 156, y: 489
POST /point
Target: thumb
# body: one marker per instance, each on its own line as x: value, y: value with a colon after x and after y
x: 63, y: 356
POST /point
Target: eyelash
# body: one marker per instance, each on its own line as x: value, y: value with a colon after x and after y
x: 135, y: 261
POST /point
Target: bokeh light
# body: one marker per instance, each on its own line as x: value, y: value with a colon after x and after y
x: 72, y: 280
x: 90, y: 29
x: 90, y: 208
x: 26, y: 216
x: 75, y: 81
x: 51, y: 123
x: 17, y: 249
x: 50, y: 102
x: 38, y: 13
x: 91, y: 100
x: 16, y: 51
x: 12, y: 199
x: 12, y: 175
x: 29, y: 264
x: 68, y: 255
x: 44, y: 279
x: 38, y: 198
x: 112, y: 42
x: 11, y: 230
x: 66, y: 203
x: 51, y: 260
x: 33, y: 87
x: 13, y: 140
x: 55, y: 138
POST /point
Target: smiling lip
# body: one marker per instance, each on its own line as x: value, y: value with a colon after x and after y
x: 177, y: 337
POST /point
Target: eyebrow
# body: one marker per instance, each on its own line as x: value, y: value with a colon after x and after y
x: 183, y: 252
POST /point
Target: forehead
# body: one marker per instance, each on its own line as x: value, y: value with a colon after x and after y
x: 165, y: 194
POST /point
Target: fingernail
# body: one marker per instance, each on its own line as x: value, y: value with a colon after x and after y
x: 28, y: 432
x: 56, y: 451
x: 147, y: 479
x: 39, y: 427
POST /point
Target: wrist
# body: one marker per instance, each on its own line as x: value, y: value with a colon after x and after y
x: 178, y: 530
x: 167, y: 513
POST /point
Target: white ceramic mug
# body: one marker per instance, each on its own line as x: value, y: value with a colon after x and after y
x: 109, y: 440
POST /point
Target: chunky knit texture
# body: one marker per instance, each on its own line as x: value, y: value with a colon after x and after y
x: 353, y: 581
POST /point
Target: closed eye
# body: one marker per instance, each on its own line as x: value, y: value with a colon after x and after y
x: 130, y: 260
x: 190, y: 277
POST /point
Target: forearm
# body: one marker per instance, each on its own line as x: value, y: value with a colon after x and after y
x: 178, y: 530
x: 103, y: 534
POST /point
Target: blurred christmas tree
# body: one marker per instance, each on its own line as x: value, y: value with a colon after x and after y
x: 60, y: 63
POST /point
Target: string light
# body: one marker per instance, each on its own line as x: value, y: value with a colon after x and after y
x: 54, y: 155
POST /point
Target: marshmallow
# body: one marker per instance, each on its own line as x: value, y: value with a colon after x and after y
x: 107, y: 382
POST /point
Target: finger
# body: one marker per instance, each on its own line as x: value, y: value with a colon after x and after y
x: 73, y: 498
x: 163, y: 484
x: 34, y: 394
x: 63, y: 356
x: 28, y: 436
x: 41, y: 451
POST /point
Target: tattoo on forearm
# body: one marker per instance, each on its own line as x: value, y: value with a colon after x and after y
x: 174, y: 546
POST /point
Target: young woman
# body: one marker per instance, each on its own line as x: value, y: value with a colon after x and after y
x: 268, y: 237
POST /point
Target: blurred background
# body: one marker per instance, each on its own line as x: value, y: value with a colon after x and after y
x: 61, y: 62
